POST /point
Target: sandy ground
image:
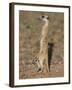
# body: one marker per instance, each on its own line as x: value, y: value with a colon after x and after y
x: 29, y: 44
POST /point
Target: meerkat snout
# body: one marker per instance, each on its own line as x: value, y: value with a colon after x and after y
x: 48, y: 18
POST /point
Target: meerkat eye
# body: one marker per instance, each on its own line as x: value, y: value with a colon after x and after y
x: 42, y: 16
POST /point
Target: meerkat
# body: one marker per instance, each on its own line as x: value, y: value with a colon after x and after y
x: 42, y: 56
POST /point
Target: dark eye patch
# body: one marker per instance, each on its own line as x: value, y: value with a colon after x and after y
x: 42, y: 16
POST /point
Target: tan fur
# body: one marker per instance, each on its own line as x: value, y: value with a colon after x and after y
x: 43, y: 53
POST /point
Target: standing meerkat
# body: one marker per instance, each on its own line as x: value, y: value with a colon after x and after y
x: 42, y: 56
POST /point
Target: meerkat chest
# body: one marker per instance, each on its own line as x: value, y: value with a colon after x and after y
x: 45, y: 31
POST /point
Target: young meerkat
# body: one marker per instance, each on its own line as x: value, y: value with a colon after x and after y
x: 42, y: 56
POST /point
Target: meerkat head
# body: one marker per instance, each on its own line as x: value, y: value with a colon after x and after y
x: 45, y: 17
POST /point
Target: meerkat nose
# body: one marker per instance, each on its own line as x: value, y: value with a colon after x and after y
x: 48, y: 18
